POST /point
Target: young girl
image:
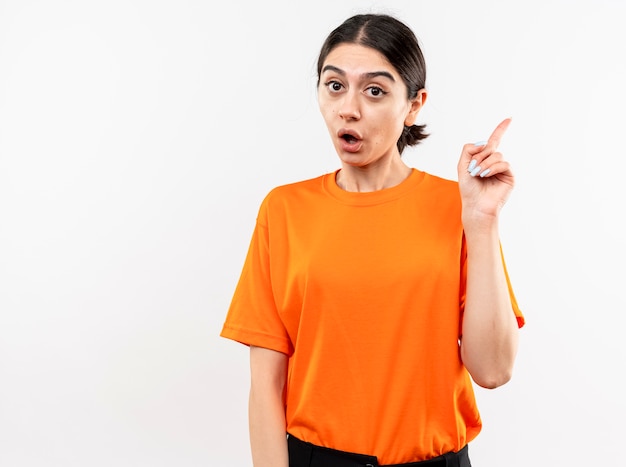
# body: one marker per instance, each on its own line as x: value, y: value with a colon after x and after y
x: 372, y: 296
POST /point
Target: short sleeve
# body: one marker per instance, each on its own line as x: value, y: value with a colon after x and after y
x: 252, y: 317
x: 521, y: 321
x: 516, y: 309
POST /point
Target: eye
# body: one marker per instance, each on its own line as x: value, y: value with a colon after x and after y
x: 334, y: 86
x: 375, y: 91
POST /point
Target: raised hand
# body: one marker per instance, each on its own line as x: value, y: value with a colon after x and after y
x: 485, y: 178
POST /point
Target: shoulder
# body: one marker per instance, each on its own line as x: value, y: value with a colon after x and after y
x: 299, y: 186
x: 295, y: 195
x: 295, y: 190
x: 440, y: 194
x: 439, y: 186
x: 440, y: 182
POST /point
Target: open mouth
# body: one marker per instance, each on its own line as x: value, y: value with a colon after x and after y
x: 349, y: 139
x: 352, y: 141
x: 349, y: 136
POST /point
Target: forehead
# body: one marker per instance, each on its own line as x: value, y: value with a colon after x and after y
x: 358, y: 59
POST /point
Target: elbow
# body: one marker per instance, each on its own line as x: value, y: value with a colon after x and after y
x: 489, y: 369
x: 489, y: 373
x: 492, y: 380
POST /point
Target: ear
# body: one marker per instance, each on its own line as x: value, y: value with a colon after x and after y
x: 416, y: 105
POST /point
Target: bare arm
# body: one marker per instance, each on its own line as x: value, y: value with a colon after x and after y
x: 490, y: 335
x: 268, y: 437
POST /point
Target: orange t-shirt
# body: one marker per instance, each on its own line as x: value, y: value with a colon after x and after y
x: 364, y: 292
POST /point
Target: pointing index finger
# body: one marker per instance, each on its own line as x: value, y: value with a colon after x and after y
x: 496, y: 136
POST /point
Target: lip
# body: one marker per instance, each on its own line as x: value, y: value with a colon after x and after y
x: 350, y: 146
x: 347, y: 131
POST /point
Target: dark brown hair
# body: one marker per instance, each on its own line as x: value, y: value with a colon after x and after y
x: 393, y: 39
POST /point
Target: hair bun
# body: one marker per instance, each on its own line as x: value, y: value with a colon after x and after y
x: 411, y: 135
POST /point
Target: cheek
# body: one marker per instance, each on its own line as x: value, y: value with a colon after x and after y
x: 326, y: 110
x: 328, y: 117
x: 389, y: 125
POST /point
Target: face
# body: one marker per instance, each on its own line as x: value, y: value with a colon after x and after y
x: 365, y: 104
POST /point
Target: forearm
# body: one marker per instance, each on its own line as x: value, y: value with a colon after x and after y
x: 489, y: 341
x: 268, y: 437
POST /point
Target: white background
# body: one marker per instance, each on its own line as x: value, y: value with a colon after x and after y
x: 137, y: 139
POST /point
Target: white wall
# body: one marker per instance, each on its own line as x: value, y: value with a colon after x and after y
x: 137, y: 139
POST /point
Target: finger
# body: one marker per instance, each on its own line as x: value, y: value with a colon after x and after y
x: 484, y: 166
x: 488, y: 146
x: 471, y: 149
x: 496, y: 136
x: 499, y: 168
x: 485, y: 149
x: 468, y: 154
x: 472, y: 155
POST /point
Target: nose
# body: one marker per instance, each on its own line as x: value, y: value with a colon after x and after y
x: 349, y: 106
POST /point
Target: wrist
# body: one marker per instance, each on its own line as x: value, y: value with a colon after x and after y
x: 479, y: 224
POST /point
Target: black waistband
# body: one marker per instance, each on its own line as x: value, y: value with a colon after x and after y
x: 303, y: 454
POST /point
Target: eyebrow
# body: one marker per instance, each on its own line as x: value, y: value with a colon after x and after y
x: 368, y: 75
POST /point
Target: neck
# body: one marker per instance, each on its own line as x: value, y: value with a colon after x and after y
x: 372, y: 178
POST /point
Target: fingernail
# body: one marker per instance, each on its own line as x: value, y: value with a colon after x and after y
x: 471, y: 165
x: 480, y: 143
x: 485, y: 172
x: 475, y: 172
